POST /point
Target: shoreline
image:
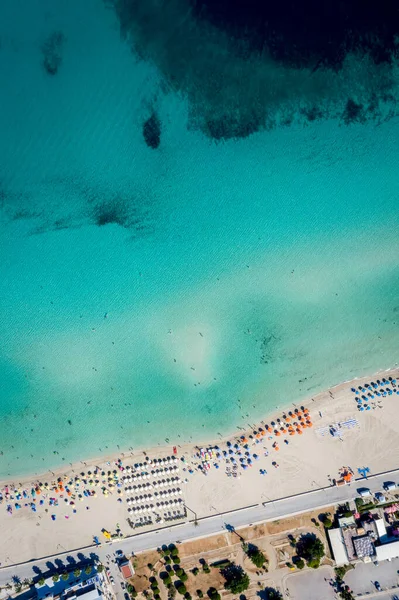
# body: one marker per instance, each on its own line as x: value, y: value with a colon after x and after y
x: 182, y: 448
x: 209, y: 483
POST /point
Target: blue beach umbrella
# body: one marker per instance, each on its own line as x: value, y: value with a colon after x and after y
x: 361, y: 408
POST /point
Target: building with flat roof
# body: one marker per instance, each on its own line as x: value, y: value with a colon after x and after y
x: 338, y: 547
x: 84, y: 587
x: 387, y: 551
x: 381, y: 530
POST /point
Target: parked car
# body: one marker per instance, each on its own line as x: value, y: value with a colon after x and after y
x: 389, y: 486
x: 363, y: 492
x: 377, y: 586
x: 380, y: 497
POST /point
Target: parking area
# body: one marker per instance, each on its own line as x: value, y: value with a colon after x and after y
x: 310, y: 585
x: 362, y: 579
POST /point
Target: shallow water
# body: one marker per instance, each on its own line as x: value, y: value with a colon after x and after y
x: 179, y: 291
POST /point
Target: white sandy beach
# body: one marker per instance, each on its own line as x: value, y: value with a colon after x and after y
x: 309, y: 461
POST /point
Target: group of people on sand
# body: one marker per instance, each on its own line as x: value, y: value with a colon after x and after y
x: 236, y: 455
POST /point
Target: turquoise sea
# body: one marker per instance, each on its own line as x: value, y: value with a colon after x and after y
x: 174, y: 292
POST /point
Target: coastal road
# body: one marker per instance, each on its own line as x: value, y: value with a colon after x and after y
x: 268, y: 511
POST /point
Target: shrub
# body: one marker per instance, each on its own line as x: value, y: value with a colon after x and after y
x: 200, y: 594
x: 150, y: 566
x: 221, y: 564
x: 327, y: 523
x: 205, y: 568
x: 213, y: 594
x: 187, y: 596
x: 300, y: 564
x: 167, y: 560
x: 130, y: 588
x: 314, y: 563
x: 273, y: 594
x: 195, y: 571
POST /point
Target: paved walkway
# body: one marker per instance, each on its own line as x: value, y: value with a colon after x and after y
x: 269, y: 511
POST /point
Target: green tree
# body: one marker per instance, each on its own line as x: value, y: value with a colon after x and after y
x: 41, y: 581
x: 310, y: 548
x: 255, y: 555
x: 327, y: 523
x: 176, y: 560
x: 56, y: 577
x: 195, y: 571
x: 300, y: 563
x: 64, y: 576
x: 88, y: 569
x: 100, y: 568
x: 181, y: 588
x: 213, y: 594
x: 200, y: 594
x: 165, y: 577
x: 76, y: 572
x: 174, y: 551
x: 184, y: 576
x: 237, y: 581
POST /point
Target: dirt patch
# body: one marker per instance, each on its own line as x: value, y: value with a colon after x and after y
x: 251, y: 533
x: 204, y: 581
x: 298, y: 522
x: 204, y: 545
x: 140, y: 580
